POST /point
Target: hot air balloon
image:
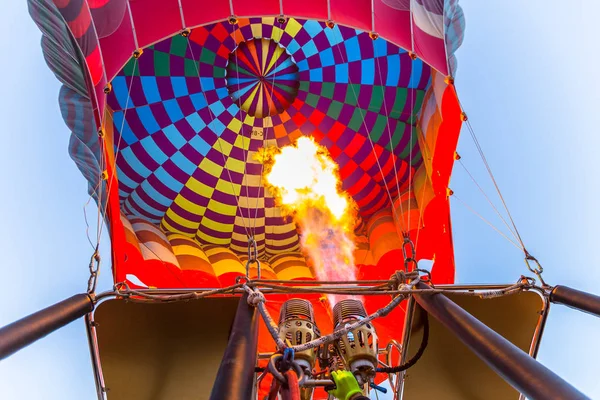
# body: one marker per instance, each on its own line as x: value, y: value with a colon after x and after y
x: 169, y: 103
x: 286, y: 157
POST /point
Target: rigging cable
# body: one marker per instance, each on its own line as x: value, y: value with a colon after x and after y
x: 416, y: 357
x: 487, y: 198
x: 487, y: 222
x: 367, y: 133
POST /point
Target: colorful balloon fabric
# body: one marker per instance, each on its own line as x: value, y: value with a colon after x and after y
x: 171, y: 100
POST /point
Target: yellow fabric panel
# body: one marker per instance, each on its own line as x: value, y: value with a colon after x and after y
x: 179, y: 219
x: 224, y: 260
x: 222, y: 145
x: 257, y: 30
x: 211, y: 239
x: 292, y: 27
x: 184, y: 245
x: 298, y: 272
x: 235, y: 165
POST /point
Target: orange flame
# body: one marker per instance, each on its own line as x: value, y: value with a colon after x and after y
x: 305, y: 182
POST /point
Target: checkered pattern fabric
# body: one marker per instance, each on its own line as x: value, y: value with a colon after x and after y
x: 186, y: 151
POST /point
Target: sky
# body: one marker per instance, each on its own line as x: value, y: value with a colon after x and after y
x: 527, y: 79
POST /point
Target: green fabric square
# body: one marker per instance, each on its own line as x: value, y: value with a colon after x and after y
x: 397, y: 136
x: 377, y: 99
x: 417, y: 102
x: 327, y: 89
x: 161, y: 64
x: 357, y: 119
x: 352, y: 94
x: 312, y: 99
x: 378, y: 128
x: 179, y: 45
x: 190, y: 67
x: 207, y: 56
x: 334, y: 109
x: 128, y: 69
x: 219, y: 72
x: 399, y: 103
x: 304, y: 85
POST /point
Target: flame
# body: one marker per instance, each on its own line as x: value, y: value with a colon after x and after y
x: 305, y: 182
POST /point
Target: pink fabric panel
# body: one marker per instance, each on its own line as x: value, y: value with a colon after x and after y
x: 354, y: 13
x: 393, y: 25
x: 311, y: 9
x: 199, y: 12
x: 117, y: 48
x: 431, y: 49
x: 155, y: 19
x: 245, y: 8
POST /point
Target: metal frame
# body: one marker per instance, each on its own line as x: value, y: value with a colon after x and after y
x: 535, y: 343
x: 97, y: 363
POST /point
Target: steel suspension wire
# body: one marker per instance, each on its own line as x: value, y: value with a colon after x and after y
x: 488, y: 222
x: 487, y: 198
x: 385, y: 107
x: 246, y: 150
x: 213, y: 118
x: 493, y: 178
x: 536, y: 268
x: 265, y: 135
x: 367, y: 133
x: 117, y: 153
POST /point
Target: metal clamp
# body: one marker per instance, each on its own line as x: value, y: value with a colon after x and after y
x: 409, y: 258
x: 274, y: 367
x: 536, y: 268
x: 252, y: 257
x: 94, y: 268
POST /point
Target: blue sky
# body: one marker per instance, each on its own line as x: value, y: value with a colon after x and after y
x: 527, y: 78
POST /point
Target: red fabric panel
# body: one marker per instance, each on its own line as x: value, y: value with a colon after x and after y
x: 155, y: 20
x: 198, y: 12
x: 447, y: 140
x: 311, y: 9
x: 245, y: 8
x: 430, y: 49
x: 393, y: 25
x: 354, y: 13
x: 118, y: 47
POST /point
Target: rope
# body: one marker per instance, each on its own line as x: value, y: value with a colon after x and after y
x: 274, y: 331
x: 122, y: 289
x: 416, y: 357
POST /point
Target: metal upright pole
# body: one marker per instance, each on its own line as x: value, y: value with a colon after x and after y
x: 235, y: 378
x: 515, y: 366
x: 25, y: 331
x: 577, y: 299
